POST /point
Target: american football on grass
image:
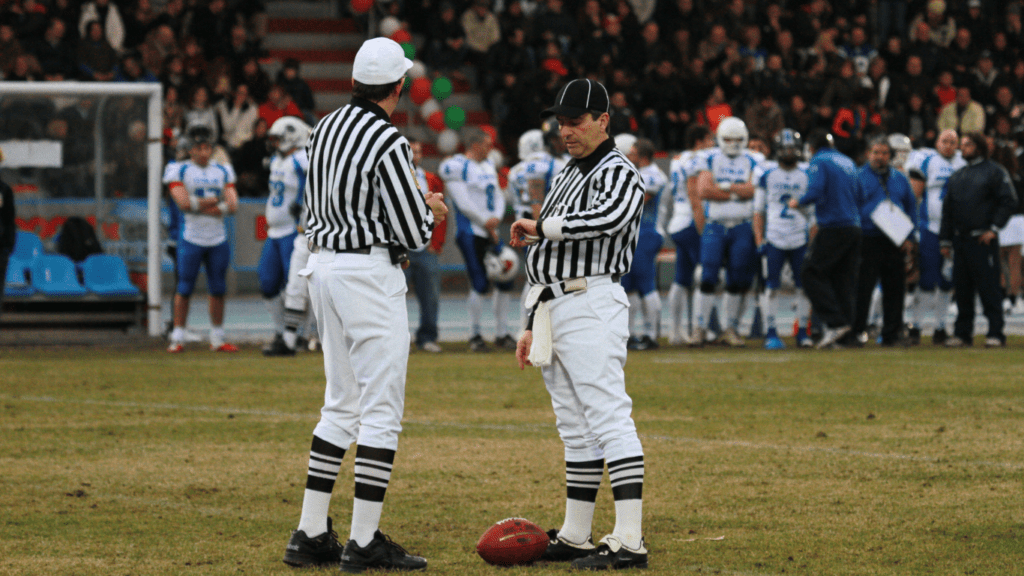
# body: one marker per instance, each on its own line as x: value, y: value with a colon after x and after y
x: 511, y: 542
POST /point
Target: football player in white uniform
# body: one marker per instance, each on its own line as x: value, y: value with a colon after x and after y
x: 726, y: 185
x: 929, y: 171
x: 204, y: 191
x: 472, y: 184
x: 288, y: 167
x: 781, y: 233
x: 684, y: 213
x: 641, y: 282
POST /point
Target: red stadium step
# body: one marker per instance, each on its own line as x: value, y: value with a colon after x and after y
x: 314, y: 55
x: 312, y: 25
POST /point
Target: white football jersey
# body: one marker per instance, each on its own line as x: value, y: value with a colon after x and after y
x: 536, y: 166
x: 729, y: 170
x: 682, y: 168
x: 655, y: 183
x: 936, y: 170
x: 208, y: 182
x: 287, y: 183
x: 473, y: 187
x: 785, y: 228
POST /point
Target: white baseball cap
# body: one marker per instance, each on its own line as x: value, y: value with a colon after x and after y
x: 380, y: 61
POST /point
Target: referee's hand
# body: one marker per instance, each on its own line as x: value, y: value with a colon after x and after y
x: 523, y: 349
x: 435, y: 201
x: 523, y: 233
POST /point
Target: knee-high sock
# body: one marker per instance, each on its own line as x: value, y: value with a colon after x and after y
x: 627, y: 480
x: 475, y: 305
x: 582, y: 480
x: 916, y: 306
x: 501, y: 300
x: 676, y: 297
x: 372, y: 474
x: 940, y: 308
x: 769, y: 308
x: 635, y: 311
x: 731, y: 310
x: 652, y: 314
x: 803, y: 308
x: 324, y: 463
x: 275, y: 306
x: 703, y: 303
x: 292, y: 320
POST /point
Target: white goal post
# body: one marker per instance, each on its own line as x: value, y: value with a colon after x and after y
x: 153, y: 91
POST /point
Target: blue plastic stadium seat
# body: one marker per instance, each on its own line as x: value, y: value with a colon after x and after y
x: 107, y: 275
x: 16, y: 283
x: 27, y: 246
x: 54, y: 275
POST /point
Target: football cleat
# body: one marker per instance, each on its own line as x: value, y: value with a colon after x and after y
x: 774, y: 343
x: 506, y: 342
x: 278, y: 348
x: 832, y: 337
x: 477, y: 344
x: 939, y: 337
x: 303, y: 551
x: 431, y: 347
x: 697, y: 338
x: 731, y: 338
x: 381, y: 553
x: 225, y: 347
x: 612, y: 555
x: 955, y: 342
x: 176, y: 348
x: 993, y: 342
x: 561, y: 550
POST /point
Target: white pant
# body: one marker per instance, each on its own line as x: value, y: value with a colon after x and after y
x: 359, y: 302
x: 296, y: 292
x: 586, y: 380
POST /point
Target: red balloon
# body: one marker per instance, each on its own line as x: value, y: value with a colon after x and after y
x: 401, y: 36
x: 361, y: 6
x: 436, y: 121
x: 420, y: 90
x: 490, y: 130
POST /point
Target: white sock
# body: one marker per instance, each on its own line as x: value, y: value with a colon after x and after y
x: 628, y: 522
x: 769, y: 308
x: 916, y: 308
x: 940, y: 307
x: 501, y: 300
x: 579, y: 520
x: 652, y: 314
x: 703, y: 303
x: 874, y: 309
x: 365, y: 520
x: 635, y: 311
x: 475, y: 305
x: 178, y: 334
x: 803, y: 308
x: 275, y: 306
x: 290, y: 338
x: 216, y: 335
x: 730, y: 310
x: 676, y: 296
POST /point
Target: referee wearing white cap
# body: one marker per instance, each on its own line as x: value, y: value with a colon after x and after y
x: 580, y: 245
x: 365, y: 211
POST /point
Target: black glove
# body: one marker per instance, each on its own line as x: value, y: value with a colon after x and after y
x: 295, y: 209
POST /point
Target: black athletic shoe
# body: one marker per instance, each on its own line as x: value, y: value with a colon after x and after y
x: 560, y: 550
x: 604, y: 558
x: 477, y: 344
x: 914, y: 336
x: 278, y: 348
x: 506, y: 342
x: 303, y: 551
x: 939, y: 337
x: 646, y: 343
x: 381, y: 553
x: 633, y: 343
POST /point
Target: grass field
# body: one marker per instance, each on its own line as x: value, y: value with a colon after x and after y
x: 129, y: 461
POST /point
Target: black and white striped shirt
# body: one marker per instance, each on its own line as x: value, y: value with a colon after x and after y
x: 361, y: 189
x: 590, y: 220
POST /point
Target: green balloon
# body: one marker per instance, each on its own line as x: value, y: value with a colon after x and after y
x: 441, y: 88
x: 454, y: 117
x: 410, y: 50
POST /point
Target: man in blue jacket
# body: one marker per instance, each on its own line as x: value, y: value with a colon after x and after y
x: 830, y: 270
x: 886, y: 191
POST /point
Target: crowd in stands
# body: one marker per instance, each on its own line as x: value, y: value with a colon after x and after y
x: 855, y: 67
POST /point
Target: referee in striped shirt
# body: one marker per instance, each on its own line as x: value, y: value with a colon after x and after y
x: 580, y: 245
x: 365, y: 212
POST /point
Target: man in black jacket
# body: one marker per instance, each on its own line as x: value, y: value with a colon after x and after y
x: 979, y: 200
x: 8, y: 233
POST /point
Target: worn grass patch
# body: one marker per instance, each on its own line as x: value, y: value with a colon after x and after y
x: 135, y: 462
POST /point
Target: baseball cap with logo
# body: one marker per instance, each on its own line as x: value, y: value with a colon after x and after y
x: 579, y: 97
x: 380, y: 61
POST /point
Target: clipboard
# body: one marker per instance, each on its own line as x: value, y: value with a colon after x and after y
x: 892, y: 221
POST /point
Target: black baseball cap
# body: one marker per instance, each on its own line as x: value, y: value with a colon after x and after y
x: 579, y: 97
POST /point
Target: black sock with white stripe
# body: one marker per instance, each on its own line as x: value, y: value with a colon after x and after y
x: 324, y: 464
x: 582, y: 480
x: 372, y: 475
x: 627, y: 480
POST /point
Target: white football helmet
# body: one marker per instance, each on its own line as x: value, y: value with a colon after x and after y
x: 531, y: 142
x: 901, y: 148
x: 289, y: 132
x: 732, y: 136
x: 624, y: 142
x: 502, y: 266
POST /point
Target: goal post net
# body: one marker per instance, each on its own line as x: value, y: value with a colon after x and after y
x: 90, y: 149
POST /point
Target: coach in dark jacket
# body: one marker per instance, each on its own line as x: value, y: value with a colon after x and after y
x: 8, y: 233
x: 979, y: 200
x: 881, y: 259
